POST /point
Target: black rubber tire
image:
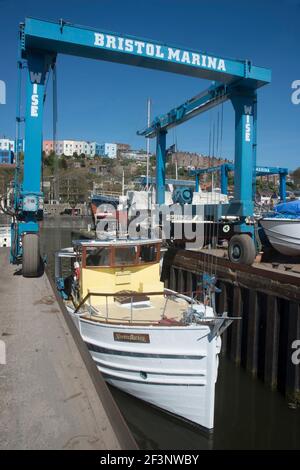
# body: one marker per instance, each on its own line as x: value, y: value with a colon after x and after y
x: 31, y: 255
x: 241, y: 249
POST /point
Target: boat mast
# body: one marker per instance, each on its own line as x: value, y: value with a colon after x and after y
x: 148, y: 141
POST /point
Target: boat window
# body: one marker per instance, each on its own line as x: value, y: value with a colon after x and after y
x: 125, y: 255
x: 97, y: 256
x: 148, y: 253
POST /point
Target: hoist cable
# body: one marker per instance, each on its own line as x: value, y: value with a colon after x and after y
x: 216, y: 203
x: 219, y: 156
x: 44, y: 100
x: 54, y: 131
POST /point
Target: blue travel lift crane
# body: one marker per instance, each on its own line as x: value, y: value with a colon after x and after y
x: 242, y: 246
x: 225, y: 168
x: 41, y: 41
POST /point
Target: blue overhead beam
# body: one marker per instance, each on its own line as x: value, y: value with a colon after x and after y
x: 259, y: 171
x: 66, y: 38
x: 213, y: 96
x: 237, y: 80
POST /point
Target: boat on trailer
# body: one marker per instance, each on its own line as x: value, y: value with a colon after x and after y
x: 153, y: 343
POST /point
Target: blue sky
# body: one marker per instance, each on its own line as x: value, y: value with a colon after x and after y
x: 107, y: 102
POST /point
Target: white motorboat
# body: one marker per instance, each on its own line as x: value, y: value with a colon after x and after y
x: 283, y: 234
x: 153, y: 343
x: 282, y: 228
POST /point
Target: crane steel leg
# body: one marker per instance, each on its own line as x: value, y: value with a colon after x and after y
x: 160, y: 166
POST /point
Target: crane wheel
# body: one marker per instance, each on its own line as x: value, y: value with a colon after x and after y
x: 241, y: 249
x: 31, y: 255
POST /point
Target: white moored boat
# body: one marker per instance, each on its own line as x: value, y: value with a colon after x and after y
x: 282, y: 228
x: 150, y: 342
x: 283, y: 234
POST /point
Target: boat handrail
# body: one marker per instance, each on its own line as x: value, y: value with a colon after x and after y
x: 115, y: 294
x: 222, y: 319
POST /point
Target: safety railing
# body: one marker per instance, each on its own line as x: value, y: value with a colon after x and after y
x: 133, y: 298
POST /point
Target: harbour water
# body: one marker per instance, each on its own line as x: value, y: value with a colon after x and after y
x: 247, y: 414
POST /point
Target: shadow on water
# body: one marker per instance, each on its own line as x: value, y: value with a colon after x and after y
x: 247, y: 414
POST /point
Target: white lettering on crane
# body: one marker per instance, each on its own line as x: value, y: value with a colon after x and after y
x: 150, y: 49
x: 211, y: 62
x: 35, y: 77
x: 34, y: 109
x: 195, y: 59
x: 99, y: 39
x: 248, y: 112
x: 248, y: 129
x: 108, y: 41
x: 121, y: 44
x: 221, y: 65
x: 111, y: 42
x: 128, y: 45
x: 139, y: 46
x: 185, y: 58
x: 159, y: 53
x: 173, y: 54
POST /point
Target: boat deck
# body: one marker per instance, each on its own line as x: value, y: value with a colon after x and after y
x: 158, y: 309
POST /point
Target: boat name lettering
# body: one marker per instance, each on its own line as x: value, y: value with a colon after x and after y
x: 132, y: 337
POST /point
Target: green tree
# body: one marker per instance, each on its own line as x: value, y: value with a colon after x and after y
x: 63, y: 163
x: 296, y: 175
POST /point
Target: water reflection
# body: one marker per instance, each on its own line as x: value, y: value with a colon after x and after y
x: 247, y: 416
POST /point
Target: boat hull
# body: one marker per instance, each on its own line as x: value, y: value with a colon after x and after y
x: 283, y: 234
x: 175, y: 370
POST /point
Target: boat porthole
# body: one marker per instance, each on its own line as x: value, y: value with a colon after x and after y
x: 143, y: 375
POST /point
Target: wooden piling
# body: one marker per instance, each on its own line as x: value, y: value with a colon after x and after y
x: 236, y: 327
x: 252, y: 333
x: 263, y: 341
x: 223, y: 307
x: 271, y: 342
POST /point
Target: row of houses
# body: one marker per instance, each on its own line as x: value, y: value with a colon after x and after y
x: 111, y: 150
x: 69, y: 147
x: 92, y: 149
x: 8, y: 144
x: 89, y: 149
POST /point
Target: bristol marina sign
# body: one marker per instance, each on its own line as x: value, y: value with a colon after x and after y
x: 156, y: 51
